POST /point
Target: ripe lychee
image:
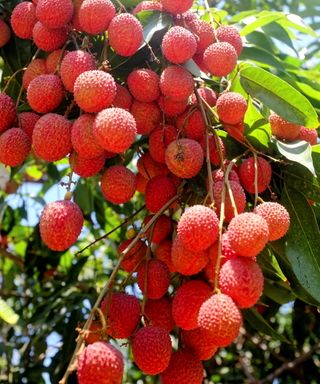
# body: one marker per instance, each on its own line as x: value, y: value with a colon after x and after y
x: 220, y: 58
x: 153, y: 278
x: 150, y: 168
x: 123, y: 98
x: 36, y: 68
x: 214, y: 151
x: 75, y: 23
x: 159, y: 313
x: 27, y: 121
x: 200, y: 341
x: 191, y: 123
x: 85, y: 167
x: 94, y: 334
x: 277, y: 218
x: 122, y: 313
x: 308, y: 135
x: 198, y: 228
x: 163, y: 253
x: 227, y: 250
x: 187, y: 301
x: 54, y: 14
x: 95, y: 15
x: 125, y: 34
x: 220, y: 316
x: 60, y: 224
x: 23, y: 19
x: 172, y: 107
x: 178, y: 45
x: 207, y: 94
x: 54, y: 59
x: 159, y: 190
x: 45, y: 93
x: 283, y: 129
x: 134, y: 256
x: 159, y: 140
x: 247, y: 174
x: 230, y: 34
x: 51, y: 138
x: 176, y: 83
x: 219, y: 175
x: 144, y: 85
x: 15, y: 146
x: 146, y: 115
x: 73, y: 64
x: 161, y: 229
x: 8, y: 114
x: 141, y: 183
x: 176, y: 7
x: 241, y: 279
x: 147, y: 6
x: 100, y: 362
x: 49, y: 39
x: 115, y: 129
x: 5, y: 33
x: 248, y: 233
x: 118, y: 184
x: 151, y: 349
x: 231, y: 107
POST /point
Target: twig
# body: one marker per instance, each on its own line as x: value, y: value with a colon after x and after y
x: 10, y: 256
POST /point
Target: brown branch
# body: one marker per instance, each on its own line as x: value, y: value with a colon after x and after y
x: 19, y: 262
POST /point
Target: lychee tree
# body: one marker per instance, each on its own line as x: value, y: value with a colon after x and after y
x: 159, y: 196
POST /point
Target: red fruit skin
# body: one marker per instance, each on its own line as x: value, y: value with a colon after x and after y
x: 178, y: 45
x: 218, y: 175
x: 163, y: 253
x: 176, y: 7
x: 147, y: 6
x: 172, y: 107
x: 231, y: 107
x: 95, y: 333
x: 36, y: 68
x: 150, y: 168
x: 159, y: 140
x: 230, y: 34
x: 220, y: 316
x: 283, y: 129
x: 235, y: 131
x: 192, y: 124
x: 27, y: 121
x: 54, y: 59
x: 210, y: 269
x: 227, y: 250
x: 308, y: 135
x: 201, y: 342
x: 208, y: 95
x: 198, y: 228
x: 23, y: 19
x: 176, y: 83
x: 141, y: 183
x: 8, y: 114
x: 151, y: 349
x: 75, y: 23
x: 158, y: 278
x: 248, y: 233
x: 161, y: 229
x: 220, y: 58
x: 183, y: 368
x: 125, y: 34
x: 15, y: 146
x: 146, y: 115
x: 122, y: 314
x: 94, y: 16
x: 101, y: 363
x: 86, y: 167
x: 54, y: 14
x: 123, y: 98
x: 118, y: 184
x: 60, y: 224
x: 144, y: 85
x: 213, y: 150
x: 134, y: 256
x: 158, y: 313
x: 204, y: 32
x: 159, y: 190
x: 187, y: 302
x: 277, y: 218
x: 247, y: 174
x: 48, y: 40
x: 51, y: 138
x: 5, y: 33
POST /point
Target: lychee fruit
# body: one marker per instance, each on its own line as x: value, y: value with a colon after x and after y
x: 178, y: 45
x: 51, y: 138
x: 215, y: 156
x: 8, y: 114
x: 176, y: 83
x: 141, y: 183
x: 159, y: 191
x: 200, y: 341
x: 227, y: 250
x: 100, y: 362
x: 230, y: 34
x: 176, y: 7
x: 73, y: 64
x: 75, y: 23
x: 23, y: 19
x: 283, y: 129
x: 5, y: 33
x: 95, y: 15
x: 122, y: 313
x: 187, y: 301
x: 159, y: 140
x: 94, y: 334
x: 277, y: 218
x: 147, y: 6
x: 231, y: 107
x: 123, y: 98
x: 161, y: 229
x: 125, y: 34
x: 247, y: 174
x: 163, y: 253
x: 219, y: 175
x: 134, y: 256
x: 54, y: 59
x: 150, y: 168
x: 158, y: 313
x: 15, y: 146
x: 144, y: 85
x: 248, y: 234
x: 115, y: 129
x: 210, y: 268
x: 86, y: 167
x: 47, y: 39
x: 207, y: 94
x: 153, y: 278
x: 172, y: 107
x: 192, y: 124
x: 198, y: 228
x: 146, y: 115
x: 241, y: 279
x: 36, y: 68
x: 27, y: 121
x: 308, y: 135
x: 54, y: 14
x: 220, y: 58
x: 151, y: 349
x: 60, y: 224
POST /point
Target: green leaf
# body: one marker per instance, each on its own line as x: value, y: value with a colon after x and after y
x: 260, y: 21
x: 279, y: 96
x: 157, y: 22
x: 270, y: 265
x: 296, y: 22
x: 261, y: 56
x: 277, y: 291
x: 259, y: 132
x: 7, y: 314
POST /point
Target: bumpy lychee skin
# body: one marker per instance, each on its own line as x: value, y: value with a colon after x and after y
x: 49, y: 39
x: 191, y: 123
x: 73, y: 64
x: 159, y: 190
x: 54, y: 13
x: 203, y: 31
x: 308, y: 135
x: 248, y: 233
x: 95, y: 15
x: 157, y: 278
x: 8, y: 114
x: 241, y: 279
x: 176, y: 7
x: 15, y: 146
x: 123, y: 98
x: 159, y: 313
x: 187, y: 302
x: 230, y: 34
x: 185, y: 261
x: 227, y: 250
x: 5, y: 33
x: 207, y: 94
x: 146, y: 115
x: 176, y: 83
x: 150, y: 168
x: 220, y: 316
x: 54, y: 59
x: 277, y: 218
x: 163, y: 253
x: 172, y: 107
x: 23, y: 19
x: 144, y: 85
x: 178, y: 45
x: 231, y: 107
x: 219, y: 175
x: 125, y: 34
x: 183, y: 368
x: 75, y: 23
x: 134, y: 256
x: 51, y: 138
x: 60, y: 224
x: 184, y: 158
x: 213, y: 149
x: 86, y: 167
x: 159, y: 140
x: 161, y: 229
x: 36, y: 68
x: 100, y: 362
x: 220, y: 58
x: 118, y: 184
x: 115, y: 129
x: 283, y: 129
x: 151, y: 349
x: 94, y: 90
x: 201, y: 342
x: 27, y: 121
x: 147, y: 6
x: 45, y: 93
x: 198, y: 228
x: 122, y: 314
x: 247, y: 174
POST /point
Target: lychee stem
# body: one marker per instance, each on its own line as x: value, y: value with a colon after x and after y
x: 12, y: 77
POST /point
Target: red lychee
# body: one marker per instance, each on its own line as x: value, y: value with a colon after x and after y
x: 27, y: 121
x: 146, y: 115
x: 247, y: 174
x: 123, y: 98
x: 75, y: 23
x: 141, y: 183
x: 192, y: 124
x: 8, y: 114
x: 5, y: 33
x: 163, y: 253
x: 220, y: 58
x: 161, y: 229
x: 36, y: 68
x: 219, y: 175
x: 15, y: 146
x: 159, y: 190
x: 54, y: 14
x: 231, y: 107
x: 54, y: 59
x: 85, y: 167
x: 159, y: 313
x: 214, y: 151
x: 176, y: 83
x: 230, y: 34
x: 147, y: 6
x: 178, y: 45
x: 207, y: 94
x: 134, y: 256
x: 172, y: 107
x: 200, y: 341
x: 308, y: 135
x: 156, y: 282
x: 227, y: 250
x: 95, y: 15
x: 150, y: 168
x: 176, y: 7
x: 47, y: 39
x: 144, y: 85
x: 283, y: 129
x: 23, y: 19
x: 159, y: 140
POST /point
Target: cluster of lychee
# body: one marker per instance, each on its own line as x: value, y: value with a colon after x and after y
x: 214, y: 258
